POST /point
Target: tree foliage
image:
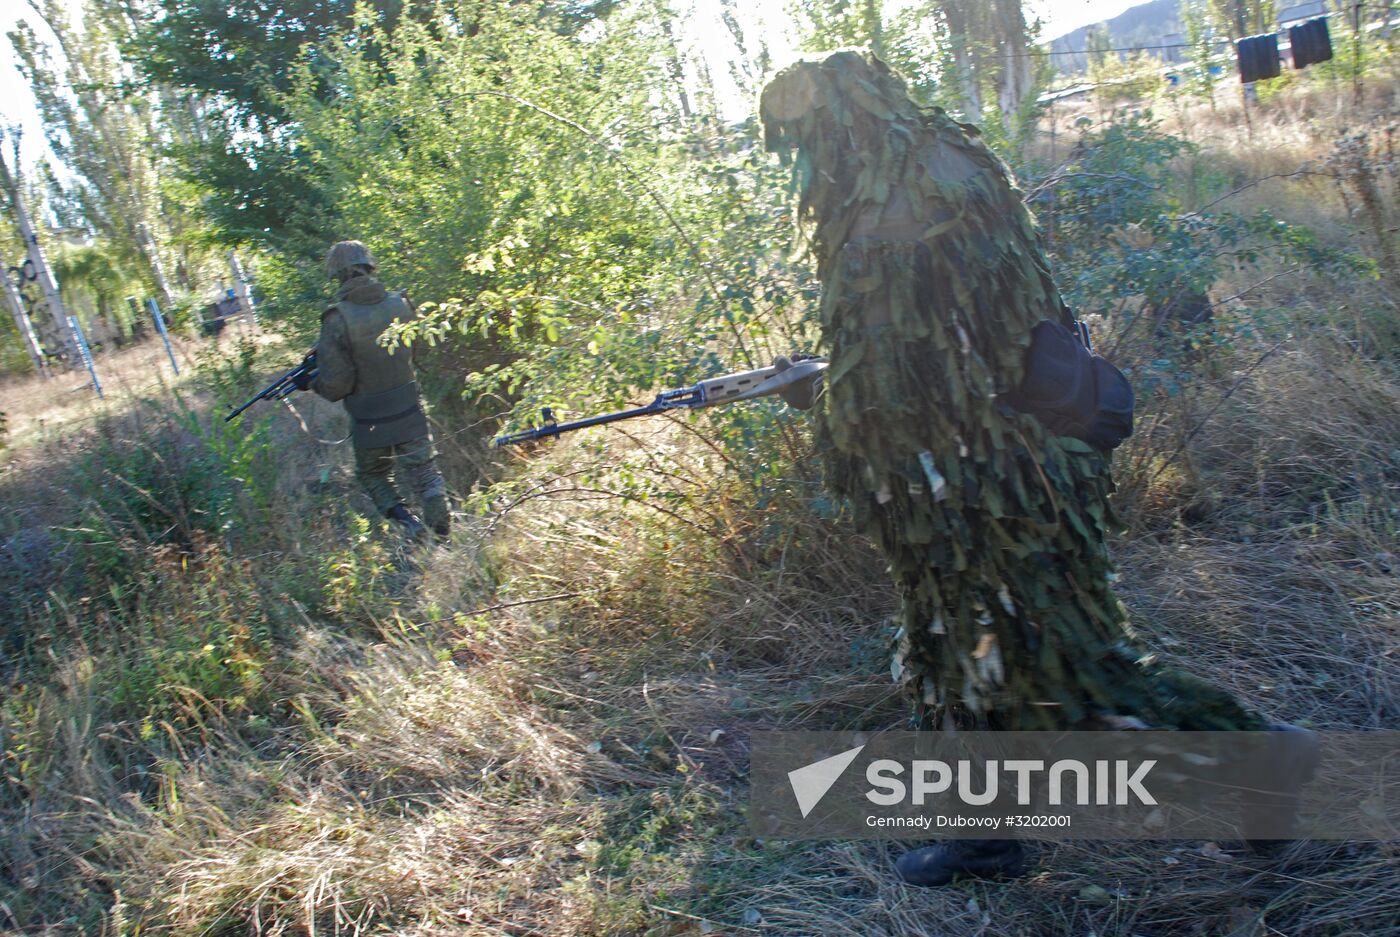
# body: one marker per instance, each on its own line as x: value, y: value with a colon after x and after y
x: 1201, y: 46
x: 103, y: 127
x: 976, y: 59
x: 1121, y: 229
x: 245, y: 51
x: 1239, y: 18
x: 250, y: 55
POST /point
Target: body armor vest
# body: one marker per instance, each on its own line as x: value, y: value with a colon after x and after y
x: 384, y: 406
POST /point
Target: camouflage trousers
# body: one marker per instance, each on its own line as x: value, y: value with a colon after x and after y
x: 414, y: 462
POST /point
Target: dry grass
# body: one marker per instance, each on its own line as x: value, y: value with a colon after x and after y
x: 437, y: 793
x: 1267, y: 158
x: 577, y: 768
x: 38, y: 409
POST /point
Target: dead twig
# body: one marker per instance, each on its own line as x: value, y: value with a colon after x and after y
x: 1218, y: 404
x: 500, y: 606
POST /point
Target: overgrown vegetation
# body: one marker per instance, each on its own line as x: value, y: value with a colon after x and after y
x: 234, y: 704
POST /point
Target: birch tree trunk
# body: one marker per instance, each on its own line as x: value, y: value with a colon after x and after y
x: 241, y: 291
x: 10, y: 183
x: 1016, y: 77
x: 960, y: 16
x: 107, y: 138
x: 24, y: 326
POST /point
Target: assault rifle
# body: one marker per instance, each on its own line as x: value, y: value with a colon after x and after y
x: 286, y: 385
x: 795, y: 381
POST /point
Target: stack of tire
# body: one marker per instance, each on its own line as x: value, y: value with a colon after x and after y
x: 1258, y: 57
x: 1311, y: 42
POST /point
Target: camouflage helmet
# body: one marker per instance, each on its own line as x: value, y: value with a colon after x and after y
x: 346, y: 254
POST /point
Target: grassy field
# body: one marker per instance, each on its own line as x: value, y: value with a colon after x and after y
x: 37, y: 410
x: 234, y: 705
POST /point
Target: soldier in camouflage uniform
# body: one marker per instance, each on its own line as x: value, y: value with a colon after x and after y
x: 993, y: 523
x: 378, y: 387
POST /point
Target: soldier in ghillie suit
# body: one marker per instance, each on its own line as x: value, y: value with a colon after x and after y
x: 994, y: 528
x: 378, y: 386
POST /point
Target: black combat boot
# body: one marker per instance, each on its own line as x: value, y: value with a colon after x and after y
x: 438, y: 516
x: 409, y: 521
x: 945, y: 862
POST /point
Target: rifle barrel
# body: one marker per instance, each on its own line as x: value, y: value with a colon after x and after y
x: 554, y: 429
x: 744, y: 385
x: 284, y: 386
x: 278, y: 388
x: 246, y: 405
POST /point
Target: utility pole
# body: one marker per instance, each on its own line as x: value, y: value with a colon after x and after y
x: 10, y: 182
x: 23, y: 325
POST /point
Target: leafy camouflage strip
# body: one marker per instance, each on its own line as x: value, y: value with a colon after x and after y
x: 994, y: 530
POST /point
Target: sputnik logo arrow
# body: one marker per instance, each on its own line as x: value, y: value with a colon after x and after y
x: 811, y: 782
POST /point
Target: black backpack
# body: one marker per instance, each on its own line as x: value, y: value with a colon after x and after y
x: 1071, y: 390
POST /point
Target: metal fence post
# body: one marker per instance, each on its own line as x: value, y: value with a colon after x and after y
x: 85, y: 353
x: 164, y: 335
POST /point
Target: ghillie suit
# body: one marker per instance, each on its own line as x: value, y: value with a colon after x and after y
x: 994, y: 529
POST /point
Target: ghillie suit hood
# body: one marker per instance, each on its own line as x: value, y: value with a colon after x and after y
x: 934, y: 277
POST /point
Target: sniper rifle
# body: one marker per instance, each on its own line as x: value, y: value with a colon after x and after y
x: 794, y: 380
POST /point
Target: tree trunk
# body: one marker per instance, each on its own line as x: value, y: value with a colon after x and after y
x: 874, y: 27
x: 153, y: 262
x: 241, y: 291
x: 24, y: 326
x: 960, y: 15
x: 674, y: 66
x: 1015, y: 81
x: 108, y: 140
x: 47, y: 284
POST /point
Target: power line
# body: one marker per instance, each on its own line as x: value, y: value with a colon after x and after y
x: 1175, y: 45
